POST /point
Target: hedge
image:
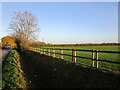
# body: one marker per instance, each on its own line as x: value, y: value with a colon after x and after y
x: 11, y: 76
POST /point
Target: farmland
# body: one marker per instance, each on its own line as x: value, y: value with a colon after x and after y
x: 103, y: 56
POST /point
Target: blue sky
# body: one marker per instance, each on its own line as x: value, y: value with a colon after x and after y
x: 69, y: 22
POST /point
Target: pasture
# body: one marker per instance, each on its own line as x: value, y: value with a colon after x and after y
x: 103, y: 56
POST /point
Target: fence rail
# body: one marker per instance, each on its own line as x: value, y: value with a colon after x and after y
x: 94, y: 55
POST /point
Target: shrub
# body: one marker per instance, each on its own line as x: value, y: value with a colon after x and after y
x: 22, y: 45
x: 11, y: 77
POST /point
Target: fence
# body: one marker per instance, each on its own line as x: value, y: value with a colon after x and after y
x: 94, y: 55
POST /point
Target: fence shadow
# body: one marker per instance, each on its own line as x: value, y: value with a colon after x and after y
x: 48, y: 72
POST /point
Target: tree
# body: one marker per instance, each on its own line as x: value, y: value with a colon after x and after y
x: 8, y: 41
x: 23, y: 28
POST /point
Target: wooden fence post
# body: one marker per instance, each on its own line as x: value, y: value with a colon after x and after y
x: 48, y: 52
x: 61, y: 52
x: 73, y: 56
x: 44, y: 50
x: 97, y: 59
x: 93, y: 54
x: 35, y: 47
x: 40, y: 49
x: 53, y: 50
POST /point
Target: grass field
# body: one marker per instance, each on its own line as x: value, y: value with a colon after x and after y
x: 104, y: 56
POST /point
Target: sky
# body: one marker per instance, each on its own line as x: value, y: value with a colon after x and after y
x: 69, y: 22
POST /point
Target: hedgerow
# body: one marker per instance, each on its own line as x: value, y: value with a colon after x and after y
x: 11, y: 76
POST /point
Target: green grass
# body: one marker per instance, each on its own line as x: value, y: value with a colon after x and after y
x: 10, y: 74
x: 104, y: 56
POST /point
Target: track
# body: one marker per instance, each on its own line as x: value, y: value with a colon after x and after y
x: 3, y: 54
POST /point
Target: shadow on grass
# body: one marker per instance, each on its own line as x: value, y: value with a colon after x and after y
x: 47, y: 72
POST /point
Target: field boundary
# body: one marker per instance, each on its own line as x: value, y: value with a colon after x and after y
x: 12, y: 74
x: 94, y: 55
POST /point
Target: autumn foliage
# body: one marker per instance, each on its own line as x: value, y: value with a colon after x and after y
x: 8, y: 41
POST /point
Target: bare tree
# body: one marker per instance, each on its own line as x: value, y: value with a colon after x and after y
x: 24, y: 28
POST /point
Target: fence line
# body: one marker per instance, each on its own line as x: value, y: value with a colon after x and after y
x: 94, y: 55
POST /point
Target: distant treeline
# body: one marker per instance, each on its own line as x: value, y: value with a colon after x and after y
x: 102, y: 44
x: 88, y: 44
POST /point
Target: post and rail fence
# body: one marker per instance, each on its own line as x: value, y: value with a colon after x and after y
x: 94, y: 55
